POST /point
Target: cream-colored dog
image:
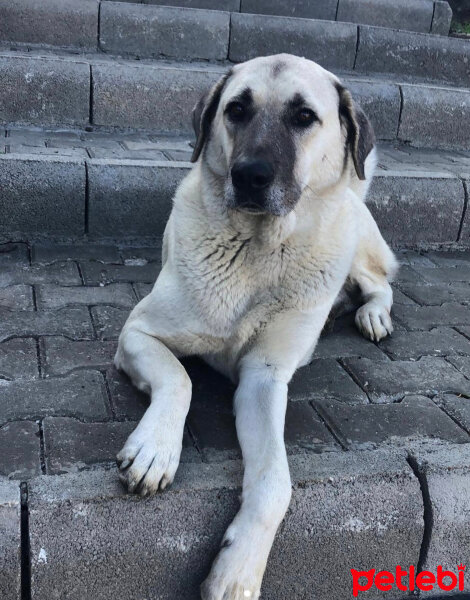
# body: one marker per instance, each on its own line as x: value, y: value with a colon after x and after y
x: 265, y: 232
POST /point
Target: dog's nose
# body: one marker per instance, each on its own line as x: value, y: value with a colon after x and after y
x: 252, y: 175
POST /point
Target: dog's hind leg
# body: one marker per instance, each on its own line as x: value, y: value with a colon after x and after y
x: 150, y: 457
x: 373, y: 267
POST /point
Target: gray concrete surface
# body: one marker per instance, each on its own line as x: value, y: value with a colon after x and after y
x: 413, y: 15
x: 10, y: 569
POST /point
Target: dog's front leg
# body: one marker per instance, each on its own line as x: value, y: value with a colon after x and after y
x: 260, y: 405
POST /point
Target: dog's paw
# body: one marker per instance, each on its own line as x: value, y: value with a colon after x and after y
x: 373, y: 321
x: 146, y: 464
x: 238, y: 570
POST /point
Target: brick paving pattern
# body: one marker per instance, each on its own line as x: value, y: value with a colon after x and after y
x: 64, y: 407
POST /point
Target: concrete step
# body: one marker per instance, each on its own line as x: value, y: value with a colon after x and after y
x: 90, y: 22
x: 92, y: 185
x: 144, y: 31
x: 40, y: 88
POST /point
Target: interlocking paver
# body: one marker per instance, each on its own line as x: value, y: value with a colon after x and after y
x: 367, y: 426
x: 143, y: 289
x: 96, y: 273
x: 458, y: 407
x: 20, y: 452
x: 108, y: 321
x: 450, y: 258
x: 64, y: 273
x: 347, y: 342
x: 17, y: 297
x: 400, y: 298
x: 115, y: 294
x: 50, y: 253
x: 60, y: 356
x: 460, y: 272
x: 82, y: 395
x: 462, y: 363
x: 74, y: 323
x: 389, y: 381
x: 325, y: 378
x: 150, y: 253
x: 430, y: 295
x: 406, y: 345
x: 13, y: 252
x: 428, y: 317
x: 464, y: 330
x: 19, y: 359
x: 126, y: 400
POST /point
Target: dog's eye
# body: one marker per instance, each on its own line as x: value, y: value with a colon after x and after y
x: 236, y: 112
x: 304, y: 117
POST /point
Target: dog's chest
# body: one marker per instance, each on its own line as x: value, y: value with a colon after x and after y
x: 228, y: 277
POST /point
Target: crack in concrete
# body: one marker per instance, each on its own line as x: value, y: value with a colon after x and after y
x: 25, y: 546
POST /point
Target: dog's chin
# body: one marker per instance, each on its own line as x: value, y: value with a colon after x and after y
x: 258, y: 206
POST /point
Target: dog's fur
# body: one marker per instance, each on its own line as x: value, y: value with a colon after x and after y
x: 248, y: 281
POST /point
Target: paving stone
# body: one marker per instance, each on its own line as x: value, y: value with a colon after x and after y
x: 414, y: 259
x: 51, y: 253
x: 446, y: 274
x: 97, y: 274
x: 81, y: 395
x: 62, y: 356
x: 115, y: 294
x: 450, y: 258
x: 441, y: 19
x: 458, y: 407
x: 139, y: 97
x: 408, y: 274
x: 428, y: 317
x: 333, y: 45
x: 18, y: 359
x: 130, y: 200
x: 20, y: 450
x: 347, y: 342
x: 44, y: 91
x: 406, y: 345
x: 143, y: 289
x: 381, y: 102
x: 127, y: 401
x: 228, y: 5
x: 320, y: 9
x: 462, y: 363
x: 74, y: 323
x: 77, y: 153
x: 184, y: 155
x: 325, y: 378
x: 63, y: 273
x: 413, y: 15
x: 304, y: 431
x: 390, y: 381
x: 396, y: 202
x: 16, y: 297
x: 109, y: 321
x: 72, y: 446
x: 14, y: 253
x: 10, y: 540
x: 464, y: 331
x: 400, y: 298
x: 51, y: 22
x: 438, y: 294
x: 160, y: 142
x: 424, y: 115
x: 118, y: 152
x: 55, y: 191
x: 429, y: 56
x: 148, y: 254
x: 163, y: 31
x: 367, y: 426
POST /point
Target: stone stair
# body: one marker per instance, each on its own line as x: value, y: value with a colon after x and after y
x: 95, y: 134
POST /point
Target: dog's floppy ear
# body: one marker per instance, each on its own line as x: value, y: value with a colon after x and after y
x: 204, y: 113
x: 360, y: 134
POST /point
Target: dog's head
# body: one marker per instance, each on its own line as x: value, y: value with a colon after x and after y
x: 274, y: 125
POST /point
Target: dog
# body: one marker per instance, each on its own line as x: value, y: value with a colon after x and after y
x: 266, y: 232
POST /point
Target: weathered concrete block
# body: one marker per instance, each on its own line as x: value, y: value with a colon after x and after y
x: 115, y: 294
x: 44, y: 91
x: 131, y: 198
x: 152, y: 97
x: 388, y: 50
x: 381, y: 102
x: 20, y: 451
x: 61, y: 355
x: 417, y: 318
x: 228, y: 5
x: 66, y: 273
x: 16, y: 297
x: 333, y: 45
x: 63, y: 23
x: 10, y: 510
x: 108, y: 321
x: 435, y: 116
x: 437, y: 294
x: 442, y: 18
x: 320, y: 9
x: 413, y: 15
x: 407, y: 345
x: 45, y: 195
x: 369, y: 502
x: 164, y: 31
x: 410, y: 208
x: 50, y: 253
x: 18, y: 359
x: 447, y: 474
x: 95, y: 273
